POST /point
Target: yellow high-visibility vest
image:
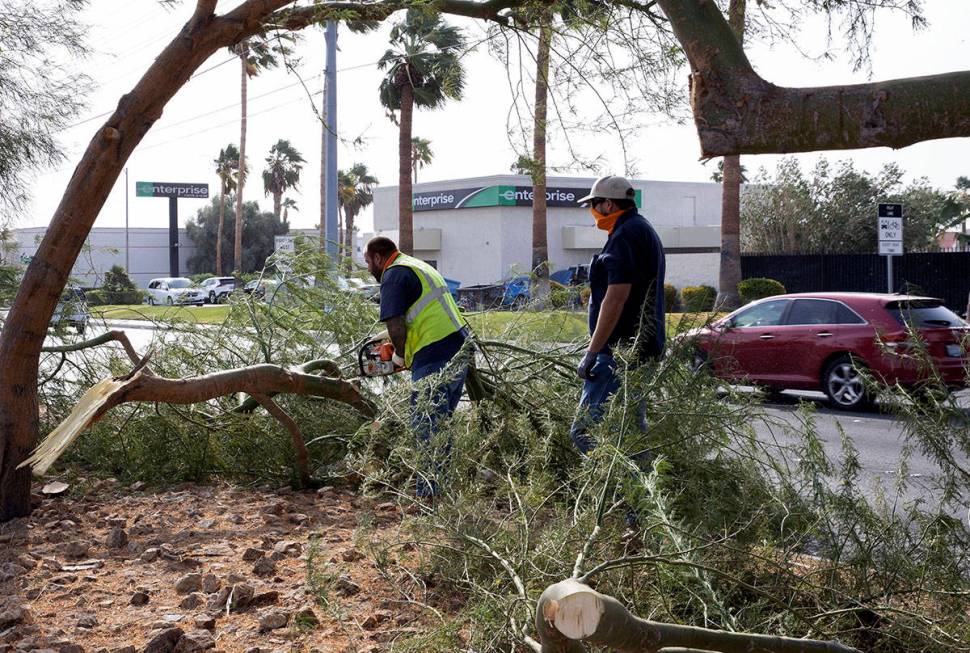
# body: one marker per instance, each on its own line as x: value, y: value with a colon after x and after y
x: 435, y: 315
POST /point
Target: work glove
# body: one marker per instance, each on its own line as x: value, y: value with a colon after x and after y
x: 585, y: 368
x: 397, y: 360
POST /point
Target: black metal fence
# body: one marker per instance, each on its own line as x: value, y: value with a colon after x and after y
x: 939, y: 274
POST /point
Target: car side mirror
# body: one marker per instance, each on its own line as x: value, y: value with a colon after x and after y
x: 727, y: 324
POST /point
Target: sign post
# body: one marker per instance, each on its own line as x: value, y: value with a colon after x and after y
x: 890, y: 218
x: 173, y: 192
x: 285, y: 250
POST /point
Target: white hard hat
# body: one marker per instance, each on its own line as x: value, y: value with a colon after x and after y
x: 610, y: 187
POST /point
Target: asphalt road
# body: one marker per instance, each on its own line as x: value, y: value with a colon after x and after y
x: 877, y: 435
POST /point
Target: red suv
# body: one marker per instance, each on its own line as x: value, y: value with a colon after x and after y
x: 820, y: 341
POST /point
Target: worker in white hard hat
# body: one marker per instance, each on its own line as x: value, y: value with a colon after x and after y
x: 626, y: 303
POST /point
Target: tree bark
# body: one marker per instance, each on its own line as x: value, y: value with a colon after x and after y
x: 241, y: 184
x: 277, y: 204
x: 540, y: 243
x: 729, y: 275
x: 349, y: 239
x: 569, y: 614
x: 405, y: 207
x: 26, y: 324
x: 222, y: 221
x: 738, y: 112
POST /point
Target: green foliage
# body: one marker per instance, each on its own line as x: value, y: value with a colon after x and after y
x: 10, y: 276
x: 698, y: 298
x: 117, y: 280
x: 113, y: 297
x: 670, y: 298
x: 425, y: 55
x: 759, y: 288
x: 834, y: 210
x: 259, y: 229
x: 282, y: 172
x: 41, y: 89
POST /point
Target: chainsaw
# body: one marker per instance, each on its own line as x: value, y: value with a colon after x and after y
x: 376, y: 358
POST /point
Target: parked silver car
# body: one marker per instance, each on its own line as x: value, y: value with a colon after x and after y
x: 71, y: 311
x: 174, y: 290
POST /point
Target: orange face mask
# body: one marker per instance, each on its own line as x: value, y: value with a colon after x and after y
x: 606, y: 222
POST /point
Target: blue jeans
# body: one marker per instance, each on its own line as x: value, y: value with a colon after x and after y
x: 443, y: 398
x: 593, y: 401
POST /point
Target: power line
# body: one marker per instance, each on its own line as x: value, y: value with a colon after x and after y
x: 108, y: 113
x: 224, y: 123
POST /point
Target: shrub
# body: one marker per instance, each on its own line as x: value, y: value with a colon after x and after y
x: 199, y: 278
x: 117, y: 280
x: 584, y: 296
x: 698, y: 298
x: 104, y: 297
x: 670, y: 298
x: 759, y: 288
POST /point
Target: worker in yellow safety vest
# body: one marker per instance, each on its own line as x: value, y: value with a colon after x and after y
x: 427, y: 331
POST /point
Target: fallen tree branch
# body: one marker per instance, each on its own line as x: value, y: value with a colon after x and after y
x: 302, y: 458
x: 117, y: 336
x: 142, y: 386
x: 570, y: 614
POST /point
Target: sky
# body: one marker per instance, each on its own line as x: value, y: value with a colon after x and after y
x: 469, y: 138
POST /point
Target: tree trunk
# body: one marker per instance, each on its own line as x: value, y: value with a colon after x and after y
x: 26, y: 325
x: 349, y: 242
x: 738, y: 112
x: 405, y: 224
x: 569, y: 615
x: 243, y: 93
x: 323, y: 175
x: 277, y: 204
x: 730, y: 269
x: 540, y: 240
x: 222, y: 222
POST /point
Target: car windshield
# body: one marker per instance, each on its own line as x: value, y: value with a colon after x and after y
x: 924, y: 313
x: 179, y: 283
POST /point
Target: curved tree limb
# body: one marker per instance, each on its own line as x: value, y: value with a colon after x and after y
x: 302, y: 458
x: 738, y: 112
x: 570, y: 614
x: 116, y: 336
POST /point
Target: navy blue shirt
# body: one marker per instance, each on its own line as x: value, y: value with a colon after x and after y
x: 633, y: 254
x: 400, y: 289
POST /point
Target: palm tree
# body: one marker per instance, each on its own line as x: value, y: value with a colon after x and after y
x: 729, y: 275
x: 283, y: 167
x: 288, y: 203
x: 423, y: 69
x: 421, y: 155
x: 227, y: 169
x: 355, y: 190
x: 254, y: 56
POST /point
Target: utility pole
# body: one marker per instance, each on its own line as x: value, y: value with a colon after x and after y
x: 330, y: 160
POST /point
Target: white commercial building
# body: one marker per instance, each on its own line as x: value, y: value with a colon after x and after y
x: 479, y: 230
x: 145, y: 252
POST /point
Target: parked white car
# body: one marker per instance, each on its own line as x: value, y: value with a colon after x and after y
x: 174, y: 290
x: 217, y: 289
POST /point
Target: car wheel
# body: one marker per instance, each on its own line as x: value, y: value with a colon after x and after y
x: 844, y: 384
x: 170, y: 301
x: 698, y: 361
x: 212, y: 297
x: 151, y: 300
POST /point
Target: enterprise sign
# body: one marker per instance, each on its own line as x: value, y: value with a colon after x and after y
x: 470, y: 198
x: 167, y: 189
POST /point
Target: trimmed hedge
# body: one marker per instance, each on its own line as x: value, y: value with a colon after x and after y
x: 698, y: 298
x: 104, y: 297
x: 670, y: 298
x: 759, y: 288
